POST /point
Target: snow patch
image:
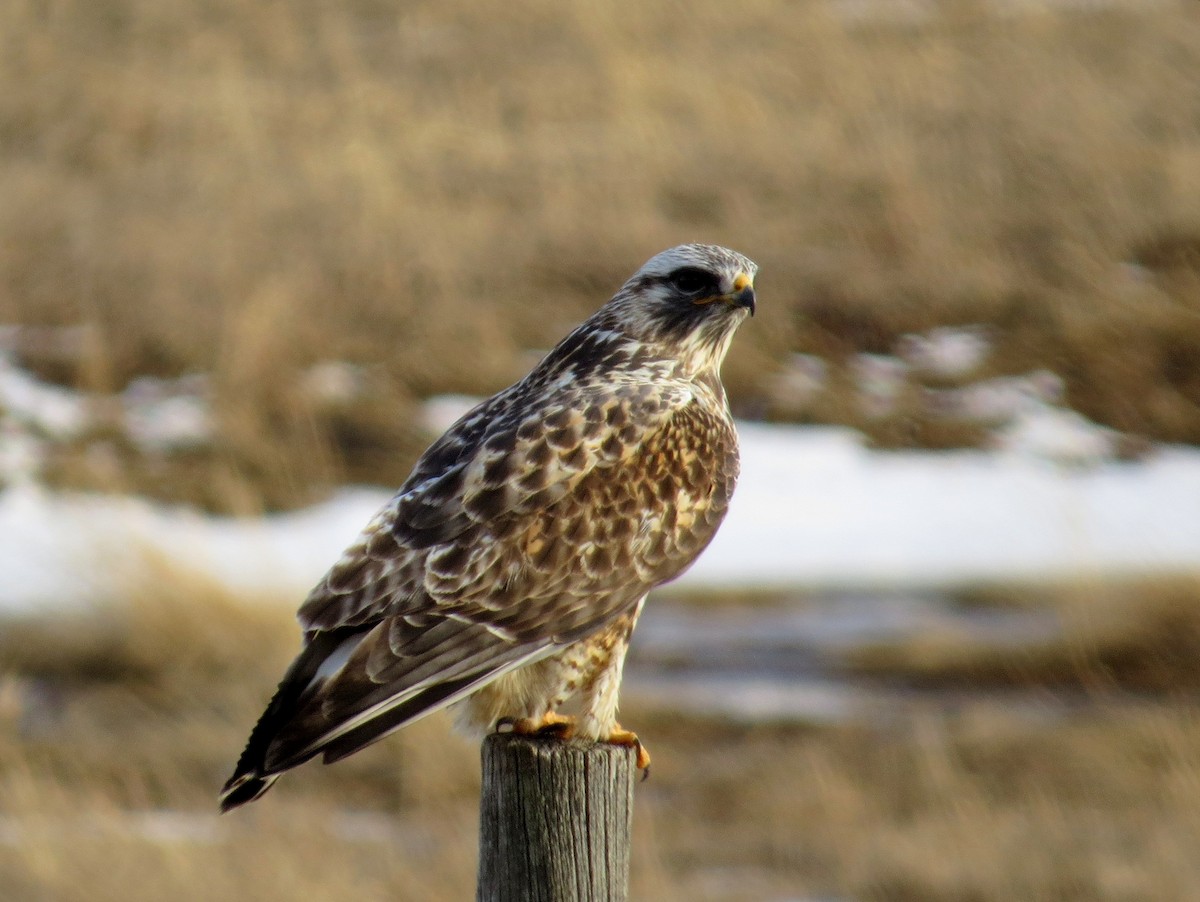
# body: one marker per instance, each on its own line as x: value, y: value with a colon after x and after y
x: 815, y: 508
x: 168, y: 414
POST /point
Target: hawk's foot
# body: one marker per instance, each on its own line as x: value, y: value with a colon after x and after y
x: 621, y: 736
x: 550, y: 724
x: 557, y: 725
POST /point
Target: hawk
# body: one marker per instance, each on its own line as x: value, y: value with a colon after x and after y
x: 509, y: 570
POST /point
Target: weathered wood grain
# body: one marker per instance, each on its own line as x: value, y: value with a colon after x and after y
x: 555, y: 820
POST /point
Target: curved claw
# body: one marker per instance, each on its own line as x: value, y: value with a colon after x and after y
x: 621, y: 736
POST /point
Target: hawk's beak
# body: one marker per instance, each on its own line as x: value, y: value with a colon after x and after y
x: 742, y: 294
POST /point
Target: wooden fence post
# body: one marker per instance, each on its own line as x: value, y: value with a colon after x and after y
x: 554, y: 820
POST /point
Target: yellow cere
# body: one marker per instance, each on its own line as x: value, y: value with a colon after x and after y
x: 741, y: 282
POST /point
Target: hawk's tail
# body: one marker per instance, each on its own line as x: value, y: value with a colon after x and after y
x: 328, y: 704
x: 244, y: 788
x: 251, y: 777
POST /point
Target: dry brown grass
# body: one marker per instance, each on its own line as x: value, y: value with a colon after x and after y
x: 1141, y: 636
x: 109, y: 722
x: 979, y: 806
x: 247, y: 189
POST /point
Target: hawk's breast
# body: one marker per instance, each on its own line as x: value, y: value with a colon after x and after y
x: 684, y: 480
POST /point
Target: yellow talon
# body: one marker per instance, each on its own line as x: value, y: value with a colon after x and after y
x: 551, y: 724
x: 561, y: 726
x: 557, y: 725
x: 621, y: 736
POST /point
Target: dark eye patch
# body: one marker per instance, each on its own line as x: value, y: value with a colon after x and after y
x: 693, y: 280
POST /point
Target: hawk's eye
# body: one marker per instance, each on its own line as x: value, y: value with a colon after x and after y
x: 691, y: 280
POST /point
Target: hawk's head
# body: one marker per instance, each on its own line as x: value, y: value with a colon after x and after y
x: 690, y: 298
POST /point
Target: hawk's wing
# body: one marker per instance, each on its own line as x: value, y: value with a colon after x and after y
x: 470, y: 494
x: 484, y: 561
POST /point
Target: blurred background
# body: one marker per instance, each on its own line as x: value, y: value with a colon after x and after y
x: 248, y: 250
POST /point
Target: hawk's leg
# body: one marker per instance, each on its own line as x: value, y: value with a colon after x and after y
x: 602, y: 684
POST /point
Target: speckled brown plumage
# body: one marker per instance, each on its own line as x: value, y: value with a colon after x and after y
x: 510, y: 568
